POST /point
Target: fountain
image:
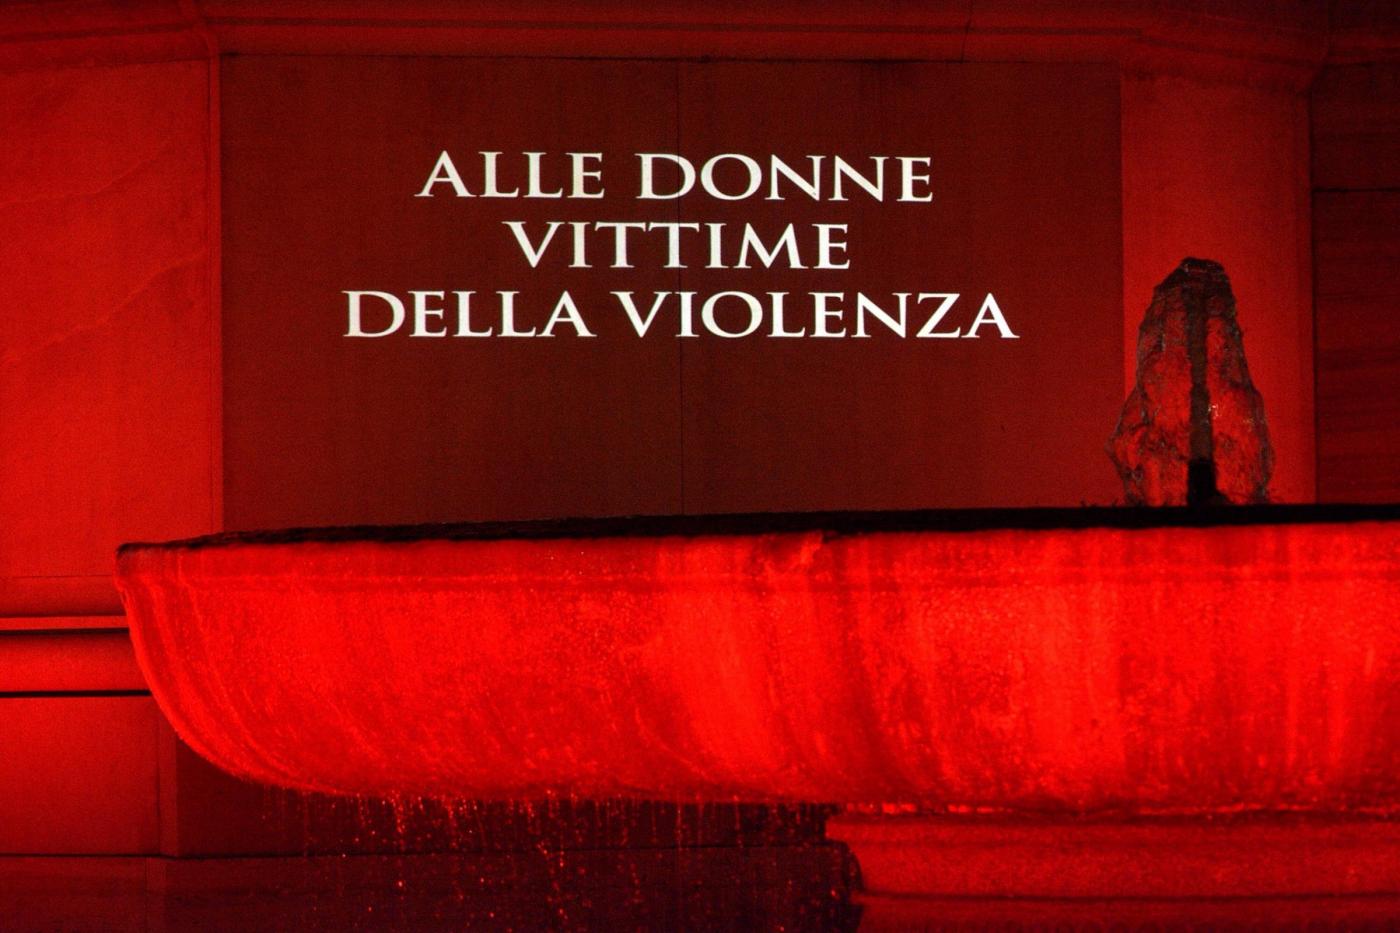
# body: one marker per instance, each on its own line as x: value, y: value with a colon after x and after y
x: 1045, y: 662
x: 1182, y: 701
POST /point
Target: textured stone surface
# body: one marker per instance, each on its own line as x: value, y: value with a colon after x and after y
x: 108, y: 356
x: 1193, y: 401
x: 1008, y: 669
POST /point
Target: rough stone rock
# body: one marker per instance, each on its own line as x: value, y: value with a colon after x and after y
x: 1192, y: 429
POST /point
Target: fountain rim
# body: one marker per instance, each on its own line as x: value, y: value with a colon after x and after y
x: 830, y: 524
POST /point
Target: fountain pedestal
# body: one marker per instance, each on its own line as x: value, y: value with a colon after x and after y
x: 1269, y: 855
x: 1123, y: 703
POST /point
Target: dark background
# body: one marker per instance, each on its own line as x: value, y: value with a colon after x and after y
x: 322, y: 157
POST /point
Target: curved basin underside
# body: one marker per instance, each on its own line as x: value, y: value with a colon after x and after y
x: 946, y: 662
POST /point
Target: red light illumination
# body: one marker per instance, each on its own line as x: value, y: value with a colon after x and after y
x: 1154, y: 669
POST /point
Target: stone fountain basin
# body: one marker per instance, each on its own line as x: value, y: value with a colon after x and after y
x: 1077, y: 660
